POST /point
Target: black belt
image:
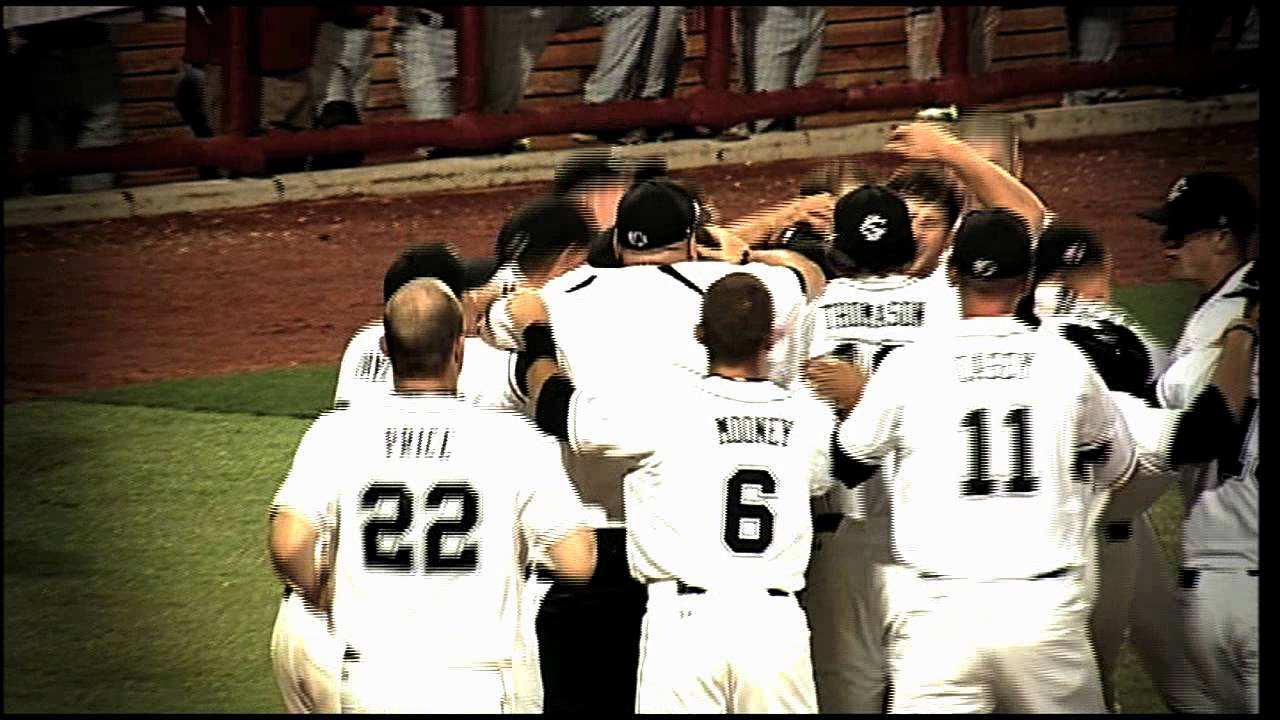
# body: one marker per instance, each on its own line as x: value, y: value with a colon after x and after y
x: 1060, y: 572
x: 288, y: 591
x: 827, y: 522
x: 682, y: 589
x: 1189, y: 578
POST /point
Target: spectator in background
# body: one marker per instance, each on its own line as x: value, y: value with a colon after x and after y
x: 425, y: 40
x: 780, y: 49
x: 1197, y: 27
x: 516, y: 36
x: 70, y: 73
x: 340, y: 73
x: 285, y: 38
x: 924, y: 39
x: 1094, y: 33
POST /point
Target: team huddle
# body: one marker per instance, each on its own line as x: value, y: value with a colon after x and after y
x: 880, y: 448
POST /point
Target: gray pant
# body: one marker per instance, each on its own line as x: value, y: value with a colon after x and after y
x: 342, y: 65
x: 665, y: 53
x: 516, y: 36
x: 1096, y: 33
x: 74, y: 103
x: 426, y: 56
x: 781, y: 47
x: 924, y: 39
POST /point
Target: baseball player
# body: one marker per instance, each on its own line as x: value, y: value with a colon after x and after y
x: 1072, y: 297
x: 871, y: 309
x: 299, y: 640
x: 740, y: 448
x: 983, y: 425
x: 365, y: 370
x: 422, y: 528
x: 1208, y: 220
x: 607, y: 320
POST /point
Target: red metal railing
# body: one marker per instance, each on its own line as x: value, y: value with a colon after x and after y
x: 713, y: 106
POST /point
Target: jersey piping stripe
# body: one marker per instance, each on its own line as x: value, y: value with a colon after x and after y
x: 581, y: 285
x: 675, y: 275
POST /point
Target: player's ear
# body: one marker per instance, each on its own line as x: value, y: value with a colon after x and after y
x: 382, y: 345
x: 699, y: 335
x: 775, y: 335
x: 459, y: 346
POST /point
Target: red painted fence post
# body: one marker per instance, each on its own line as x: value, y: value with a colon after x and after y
x: 240, y: 106
x: 470, y: 54
x: 718, y: 57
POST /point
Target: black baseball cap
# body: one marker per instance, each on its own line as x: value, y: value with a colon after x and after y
x: 1066, y: 246
x: 440, y: 262
x: 872, y: 231
x: 549, y: 224
x: 1205, y: 201
x: 655, y: 214
x: 992, y: 245
x: 583, y: 166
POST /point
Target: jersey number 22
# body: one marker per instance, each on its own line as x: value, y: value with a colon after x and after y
x: 400, y: 560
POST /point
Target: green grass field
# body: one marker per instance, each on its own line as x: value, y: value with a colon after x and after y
x: 136, y: 576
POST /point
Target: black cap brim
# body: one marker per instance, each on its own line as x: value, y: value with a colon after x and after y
x: 1157, y: 215
x: 478, y: 271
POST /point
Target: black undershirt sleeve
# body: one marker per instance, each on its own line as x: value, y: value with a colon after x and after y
x: 552, y: 414
x: 1206, y: 431
x: 847, y: 469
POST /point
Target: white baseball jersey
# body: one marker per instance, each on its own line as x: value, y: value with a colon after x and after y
x: 499, y: 321
x: 435, y: 504
x: 1056, y: 305
x: 487, y: 377
x: 869, y: 317
x: 1221, y: 526
x: 720, y: 498
x: 989, y: 422
x: 1212, y: 315
x: 623, y: 325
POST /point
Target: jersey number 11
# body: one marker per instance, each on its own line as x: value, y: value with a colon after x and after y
x: 978, y: 482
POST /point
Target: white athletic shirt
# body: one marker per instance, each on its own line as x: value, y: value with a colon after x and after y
x: 487, y: 377
x: 436, y: 503
x: 1220, y: 529
x: 636, y: 324
x: 988, y: 421
x: 1212, y: 315
x: 720, y: 498
x: 874, y: 315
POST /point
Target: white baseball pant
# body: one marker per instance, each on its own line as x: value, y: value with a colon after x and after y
x: 371, y: 687
x: 730, y: 651
x: 305, y: 659
x: 1219, y: 611
x: 847, y: 600
x: 1019, y: 646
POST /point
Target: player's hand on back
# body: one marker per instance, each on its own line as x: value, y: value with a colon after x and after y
x: 526, y: 308
x: 733, y: 249
x: 838, y: 381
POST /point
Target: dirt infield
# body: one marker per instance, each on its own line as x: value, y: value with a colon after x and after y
x: 99, y: 304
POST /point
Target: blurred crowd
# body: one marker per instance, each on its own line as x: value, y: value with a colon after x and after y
x: 314, y: 64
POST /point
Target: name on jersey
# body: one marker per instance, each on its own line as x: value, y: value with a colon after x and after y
x: 762, y: 430
x: 415, y: 443
x: 902, y: 313
x: 373, y: 367
x: 993, y: 366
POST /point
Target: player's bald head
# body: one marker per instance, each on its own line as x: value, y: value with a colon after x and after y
x: 737, y: 319
x: 422, y: 324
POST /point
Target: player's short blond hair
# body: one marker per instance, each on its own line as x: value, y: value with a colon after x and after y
x: 421, y: 323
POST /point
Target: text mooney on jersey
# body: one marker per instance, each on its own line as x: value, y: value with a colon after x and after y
x: 739, y: 429
x: 874, y: 315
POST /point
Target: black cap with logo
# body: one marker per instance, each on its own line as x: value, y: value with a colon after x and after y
x: 872, y: 231
x: 656, y: 214
x: 992, y: 245
x: 1205, y: 201
x: 1066, y: 246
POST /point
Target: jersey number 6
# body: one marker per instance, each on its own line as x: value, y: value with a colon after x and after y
x: 400, y: 559
x: 738, y: 512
